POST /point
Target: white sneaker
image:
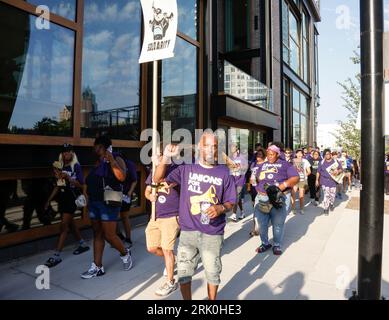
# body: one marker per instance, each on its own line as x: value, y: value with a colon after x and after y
x: 127, y: 260
x: 234, y: 218
x: 93, y: 271
x: 242, y: 216
x: 166, y: 289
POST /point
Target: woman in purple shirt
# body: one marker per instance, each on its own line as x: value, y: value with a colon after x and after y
x: 273, y: 172
x: 329, y: 168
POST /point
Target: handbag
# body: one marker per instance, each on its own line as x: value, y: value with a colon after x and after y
x: 80, y: 201
x: 111, y: 197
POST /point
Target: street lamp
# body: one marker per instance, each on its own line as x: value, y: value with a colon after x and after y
x: 372, y: 152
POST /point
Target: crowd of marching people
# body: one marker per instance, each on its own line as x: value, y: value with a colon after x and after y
x: 194, y: 201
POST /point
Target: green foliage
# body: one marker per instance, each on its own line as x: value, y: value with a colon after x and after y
x: 349, y: 136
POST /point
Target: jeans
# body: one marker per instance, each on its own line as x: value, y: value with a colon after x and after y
x: 194, y: 245
x: 277, y: 218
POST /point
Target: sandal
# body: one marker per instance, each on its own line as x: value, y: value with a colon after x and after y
x: 263, y: 248
x: 52, y: 262
x: 277, y: 251
x: 80, y: 249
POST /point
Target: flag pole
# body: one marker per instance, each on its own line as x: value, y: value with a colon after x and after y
x: 155, y: 128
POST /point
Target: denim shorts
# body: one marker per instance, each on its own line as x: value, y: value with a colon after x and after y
x: 194, y: 245
x: 99, y: 210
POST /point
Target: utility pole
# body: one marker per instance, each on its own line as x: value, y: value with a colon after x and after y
x: 372, y: 195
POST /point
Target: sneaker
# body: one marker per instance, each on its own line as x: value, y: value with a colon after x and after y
x: 263, y: 248
x: 294, y: 211
x: 94, y: 271
x: 277, y: 251
x: 316, y: 203
x: 332, y: 208
x: 127, y: 260
x: 234, y: 218
x: 302, y: 212
x: 166, y: 289
x: 242, y: 216
x: 53, y: 261
x: 326, y: 212
x: 312, y: 201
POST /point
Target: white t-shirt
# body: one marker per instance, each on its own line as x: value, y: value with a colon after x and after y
x: 302, y: 168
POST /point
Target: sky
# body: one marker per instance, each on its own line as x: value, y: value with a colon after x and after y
x: 339, y: 38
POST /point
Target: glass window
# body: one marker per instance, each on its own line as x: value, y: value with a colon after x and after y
x: 188, y: 17
x: 36, y: 76
x: 64, y: 8
x: 237, y: 31
x: 294, y: 57
x: 293, y: 26
x: 179, y: 87
x: 23, y: 201
x: 296, y: 99
x: 296, y: 130
x: 111, y: 73
x: 304, y: 131
x: 303, y: 105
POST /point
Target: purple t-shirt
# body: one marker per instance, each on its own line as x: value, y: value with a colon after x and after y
x: 199, y: 184
x: 132, y: 175
x: 274, y: 173
x: 325, y: 178
x: 167, y: 203
x: 239, y: 174
x: 75, y: 173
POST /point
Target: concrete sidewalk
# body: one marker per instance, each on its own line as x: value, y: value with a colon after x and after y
x: 319, y: 262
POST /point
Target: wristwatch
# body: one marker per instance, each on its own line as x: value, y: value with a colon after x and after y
x: 224, y: 208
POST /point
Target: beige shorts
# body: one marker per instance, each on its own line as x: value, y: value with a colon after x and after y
x: 162, y: 233
x: 300, y: 185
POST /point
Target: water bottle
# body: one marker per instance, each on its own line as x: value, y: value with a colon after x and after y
x: 204, y: 206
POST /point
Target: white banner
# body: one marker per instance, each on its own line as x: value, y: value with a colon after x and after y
x: 160, y: 28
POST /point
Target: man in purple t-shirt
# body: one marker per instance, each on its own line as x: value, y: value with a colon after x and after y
x: 161, y: 233
x: 207, y: 192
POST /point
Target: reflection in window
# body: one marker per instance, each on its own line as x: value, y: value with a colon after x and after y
x: 111, y: 73
x: 187, y: 17
x: 22, y: 204
x: 64, y: 8
x: 36, y: 76
x: 179, y: 87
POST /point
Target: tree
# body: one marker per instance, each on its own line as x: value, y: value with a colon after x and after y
x: 349, y: 136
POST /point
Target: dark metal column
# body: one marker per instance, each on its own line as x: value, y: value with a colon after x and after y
x: 372, y: 194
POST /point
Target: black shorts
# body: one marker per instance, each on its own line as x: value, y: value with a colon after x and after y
x: 66, y: 202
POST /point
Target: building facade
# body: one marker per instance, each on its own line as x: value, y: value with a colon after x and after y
x: 70, y: 71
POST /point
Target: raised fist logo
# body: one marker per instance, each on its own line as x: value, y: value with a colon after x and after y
x: 160, y: 23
